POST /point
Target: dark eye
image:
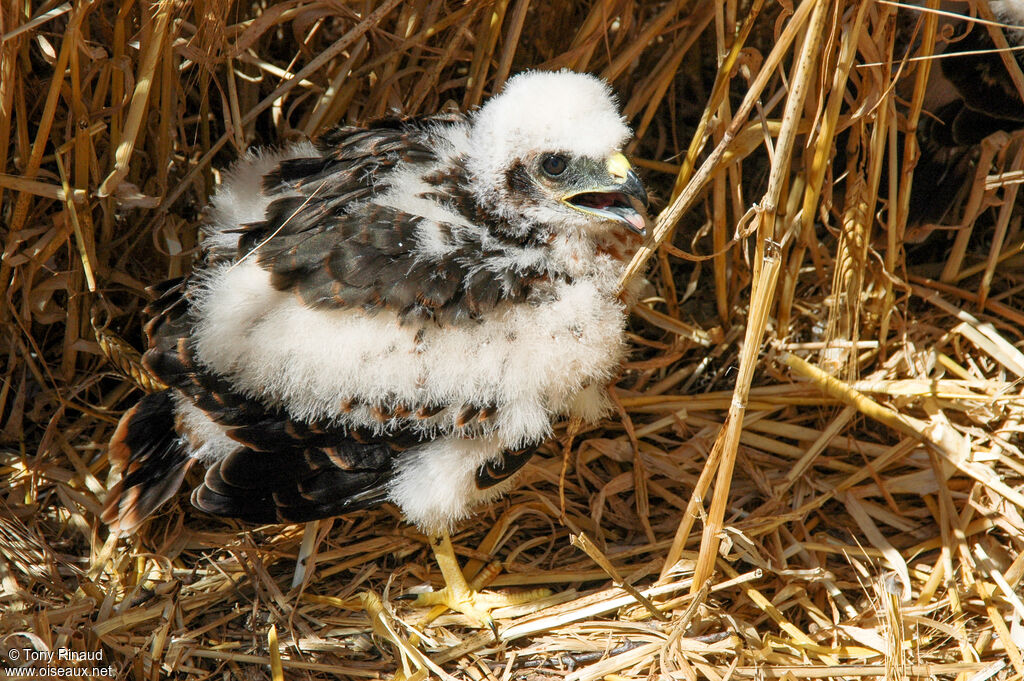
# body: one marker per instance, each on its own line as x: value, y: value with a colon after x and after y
x: 553, y: 165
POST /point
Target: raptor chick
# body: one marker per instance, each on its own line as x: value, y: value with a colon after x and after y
x: 395, y: 314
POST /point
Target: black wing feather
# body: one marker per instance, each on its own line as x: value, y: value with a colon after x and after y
x: 284, y: 471
x: 296, y: 486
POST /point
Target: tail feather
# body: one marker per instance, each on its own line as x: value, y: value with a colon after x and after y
x: 152, y: 460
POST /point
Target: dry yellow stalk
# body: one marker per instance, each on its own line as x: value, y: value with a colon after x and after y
x: 126, y: 359
x: 205, y: 588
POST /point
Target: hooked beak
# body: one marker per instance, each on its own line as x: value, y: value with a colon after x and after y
x: 617, y: 195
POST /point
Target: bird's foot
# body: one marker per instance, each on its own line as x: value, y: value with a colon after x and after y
x: 468, y: 597
x: 477, y: 605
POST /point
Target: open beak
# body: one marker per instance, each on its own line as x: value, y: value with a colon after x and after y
x: 616, y: 195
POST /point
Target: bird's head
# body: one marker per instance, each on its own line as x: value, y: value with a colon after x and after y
x: 547, y: 150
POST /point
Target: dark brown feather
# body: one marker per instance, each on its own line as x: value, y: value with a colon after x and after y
x: 330, y: 244
x: 296, y: 485
x: 152, y: 460
x: 493, y: 472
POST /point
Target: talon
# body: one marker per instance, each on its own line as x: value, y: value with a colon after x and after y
x: 462, y: 597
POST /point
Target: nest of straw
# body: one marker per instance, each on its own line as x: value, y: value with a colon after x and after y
x: 815, y: 470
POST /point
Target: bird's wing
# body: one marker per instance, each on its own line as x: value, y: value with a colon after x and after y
x: 151, y: 459
x: 297, y: 485
x: 334, y: 236
x: 297, y: 481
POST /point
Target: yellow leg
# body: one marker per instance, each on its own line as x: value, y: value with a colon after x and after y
x: 459, y: 595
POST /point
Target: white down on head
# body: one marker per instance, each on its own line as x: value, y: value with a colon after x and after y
x: 537, y: 112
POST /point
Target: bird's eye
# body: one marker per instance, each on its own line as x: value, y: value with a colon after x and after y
x: 553, y: 165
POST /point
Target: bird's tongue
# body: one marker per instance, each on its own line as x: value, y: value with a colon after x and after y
x: 636, y: 220
x: 613, y: 204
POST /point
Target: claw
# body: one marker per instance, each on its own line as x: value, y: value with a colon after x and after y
x: 462, y: 597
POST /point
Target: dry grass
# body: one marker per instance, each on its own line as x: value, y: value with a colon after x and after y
x: 816, y: 468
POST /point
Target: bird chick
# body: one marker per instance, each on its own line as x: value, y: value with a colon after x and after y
x: 396, y: 313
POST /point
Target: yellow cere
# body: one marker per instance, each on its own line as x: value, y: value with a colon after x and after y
x: 618, y: 166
